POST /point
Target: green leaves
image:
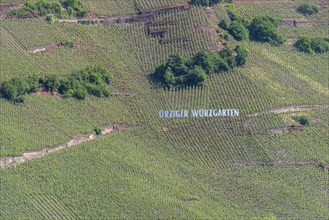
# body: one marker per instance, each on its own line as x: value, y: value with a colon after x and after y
x: 315, y: 45
x: 92, y: 80
x: 179, y: 72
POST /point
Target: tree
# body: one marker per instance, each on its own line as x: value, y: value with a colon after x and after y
x: 169, y: 77
x: 238, y: 31
x: 303, y: 44
x: 320, y: 45
x: 241, y: 57
x: 50, y: 19
x: 177, y: 64
x: 263, y: 29
x: 9, y: 91
x: 206, y: 60
x: 308, y: 9
x: 302, y: 120
x: 195, y: 76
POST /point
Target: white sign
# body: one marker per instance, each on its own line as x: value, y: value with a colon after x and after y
x: 199, y: 113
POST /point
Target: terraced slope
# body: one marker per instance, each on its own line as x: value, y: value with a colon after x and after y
x: 259, y: 164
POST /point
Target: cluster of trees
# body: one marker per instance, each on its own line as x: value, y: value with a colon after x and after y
x: 60, y: 9
x: 92, y: 80
x: 312, y: 45
x: 181, y: 72
x: 308, y: 9
x: 261, y: 28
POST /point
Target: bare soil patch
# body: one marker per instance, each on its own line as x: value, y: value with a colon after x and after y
x: 6, y: 7
x: 43, y: 92
x: 211, y: 14
x: 191, y: 202
x: 13, y: 161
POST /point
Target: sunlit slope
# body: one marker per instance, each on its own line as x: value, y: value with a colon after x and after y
x: 182, y: 168
x: 140, y: 174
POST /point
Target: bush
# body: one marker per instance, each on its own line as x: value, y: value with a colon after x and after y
x: 263, y: 29
x: 304, y: 44
x: 315, y: 45
x: 238, y: 31
x: 242, y: 54
x: 302, y: 120
x: 195, y: 76
x: 224, y: 24
x: 320, y: 45
x: 50, y: 19
x: 308, y: 9
x: 98, y: 131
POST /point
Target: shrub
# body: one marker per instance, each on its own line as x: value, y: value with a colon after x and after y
x: 263, y: 29
x: 50, y: 19
x: 98, y: 131
x: 304, y: 44
x: 308, y: 9
x: 302, y: 120
x: 320, y: 45
x: 238, y: 31
x: 195, y: 76
x: 224, y: 24
x: 242, y: 54
x: 315, y: 45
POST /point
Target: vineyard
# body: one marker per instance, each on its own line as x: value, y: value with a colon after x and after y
x: 263, y: 163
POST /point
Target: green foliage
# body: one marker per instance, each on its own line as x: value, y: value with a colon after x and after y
x: 92, y: 80
x: 235, y: 15
x: 239, y: 31
x: 205, y: 2
x: 242, y: 54
x: 179, y: 72
x: 60, y: 9
x: 308, y: 9
x: 302, y: 120
x: 315, y: 45
x: 304, y: 44
x: 320, y: 45
x: 98, y: 131
x: 50, y: 18
x: 14, y: 88
x: 263, y: 29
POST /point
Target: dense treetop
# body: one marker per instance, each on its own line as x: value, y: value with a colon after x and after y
x: 60, y: 9
x: 308, y: 9
x: 181, y: 72
x: 312, y: 45
x: 92, y: 80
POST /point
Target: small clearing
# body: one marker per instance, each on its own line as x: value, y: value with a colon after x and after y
x: 54, y: 46
x: 291, y: 108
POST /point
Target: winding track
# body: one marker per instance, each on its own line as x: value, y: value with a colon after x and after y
x: 13, y: 161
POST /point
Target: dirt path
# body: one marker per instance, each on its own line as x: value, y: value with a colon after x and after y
x: 13, y: 161
x: 291, y: 108
x: 145, y: 16
x: 278, y: 163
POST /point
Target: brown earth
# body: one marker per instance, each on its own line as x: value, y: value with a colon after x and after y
x: 6, y: 7
x: 13, y: 161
